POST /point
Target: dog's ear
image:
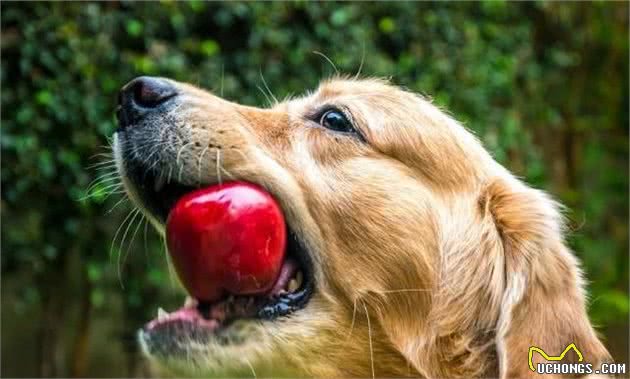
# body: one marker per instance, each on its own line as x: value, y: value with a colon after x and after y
x: 543, y: 300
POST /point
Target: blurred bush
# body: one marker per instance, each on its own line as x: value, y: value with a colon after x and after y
x: 544, y: 85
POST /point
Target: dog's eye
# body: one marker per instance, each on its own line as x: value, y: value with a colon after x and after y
x: 336, y: 121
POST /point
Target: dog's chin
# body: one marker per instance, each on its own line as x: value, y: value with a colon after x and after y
x: 247, y: 348
x: 186, y: 349
x: 226, y: 336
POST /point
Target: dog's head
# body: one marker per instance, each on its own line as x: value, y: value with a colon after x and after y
x: 421, y: 254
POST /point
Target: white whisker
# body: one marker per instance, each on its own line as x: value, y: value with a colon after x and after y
x: 267, y: 87
x: 120, y: 248
x: 103, y: 179
x: 266, y: 96
x: 146, y: 250
x: 181, y: 166
x: 122, y: 200
x: 251, y: 367
x: 180, y: 152
x: 356, y: 76
x: 107, y: 176
x: 168, y: 262
x: 133, y: 237
x: 354, y: 313
x: 328, y: 59
x: 108, y: 187
x: 370, y: 338
x: 199, y: 163
x: 113, y: 188
x: 222, y: 76
x: 102, y: 164
x: 228, y: 173
x: 218, y: 166
x: 170, y: 173
x: 111, y: 249
x: 104, y: 155
x: 156, y: 150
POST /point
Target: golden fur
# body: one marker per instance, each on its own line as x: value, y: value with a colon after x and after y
x: 431, y: 259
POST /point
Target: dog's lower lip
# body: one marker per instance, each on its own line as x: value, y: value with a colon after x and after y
x: 213, y: 317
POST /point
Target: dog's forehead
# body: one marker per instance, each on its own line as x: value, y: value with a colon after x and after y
x: 348, y: 91
x: 334, y: 88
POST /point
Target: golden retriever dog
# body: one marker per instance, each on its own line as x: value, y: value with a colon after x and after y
x: 421, y: 256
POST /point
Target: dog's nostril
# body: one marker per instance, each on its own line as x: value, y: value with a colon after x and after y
x: 150, y: 92
x: 142, y: 96
x: 146, y: 92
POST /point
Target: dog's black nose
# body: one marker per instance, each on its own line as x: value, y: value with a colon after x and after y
x: 146, y: 92
x: 141, y: 96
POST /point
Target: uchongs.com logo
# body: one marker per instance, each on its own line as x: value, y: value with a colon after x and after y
x: 554, y: 364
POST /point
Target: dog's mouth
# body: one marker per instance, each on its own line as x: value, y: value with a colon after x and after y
x: 201, y: 320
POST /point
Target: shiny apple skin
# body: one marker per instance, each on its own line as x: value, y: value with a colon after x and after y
x: 226, y: 239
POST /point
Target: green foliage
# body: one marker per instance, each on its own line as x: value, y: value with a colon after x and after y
x: 544, y: 85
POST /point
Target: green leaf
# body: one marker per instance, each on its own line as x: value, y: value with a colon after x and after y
x: 97, y: 297
x: 387, y: 25
x: 94, y: 272
x: 44, y: 97
x: 209, y: 47
x: 134, y: 28
x: 339, y: 17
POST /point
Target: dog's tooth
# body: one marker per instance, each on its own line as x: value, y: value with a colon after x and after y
x: 190, y: 302
x: 161, y: 314
x: 159, y: 182
x: 293, y: 285
x: 299, y: 277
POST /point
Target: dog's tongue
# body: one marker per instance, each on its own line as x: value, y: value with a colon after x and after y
x: 227, y: 239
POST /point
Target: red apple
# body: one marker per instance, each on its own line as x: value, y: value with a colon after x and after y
x: 226, y: 239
